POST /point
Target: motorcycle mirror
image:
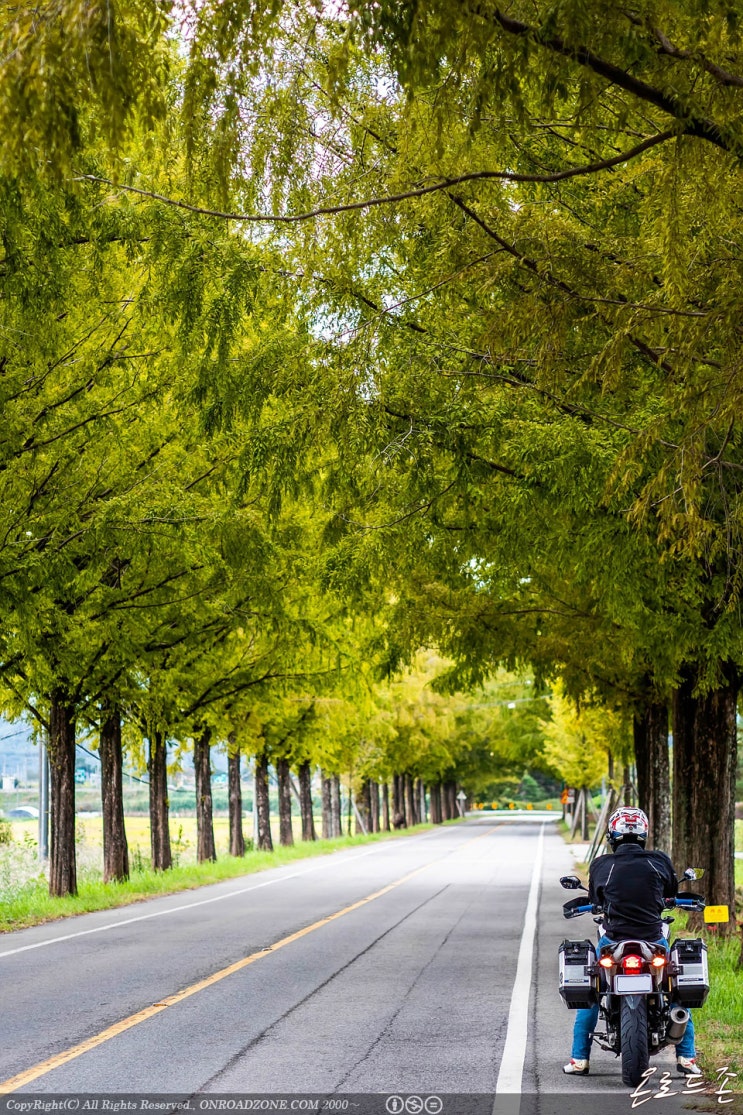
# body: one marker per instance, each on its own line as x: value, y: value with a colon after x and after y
x: 571, y: 882
x: 693, y: 873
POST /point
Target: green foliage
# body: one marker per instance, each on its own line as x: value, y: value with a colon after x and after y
x: 528, y: 789
x: 75, y: 70
x: 485, y: 401
x: 536, y: 364
x: 580, y: 740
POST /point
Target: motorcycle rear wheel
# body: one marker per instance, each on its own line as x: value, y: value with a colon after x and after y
x: 634, y: 1032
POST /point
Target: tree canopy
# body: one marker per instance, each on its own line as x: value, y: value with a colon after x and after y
x: 423, y: 315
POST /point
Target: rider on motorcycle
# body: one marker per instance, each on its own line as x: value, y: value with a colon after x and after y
x: 630, y: 885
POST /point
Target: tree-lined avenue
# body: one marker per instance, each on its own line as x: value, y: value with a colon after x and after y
x: 409, y: 992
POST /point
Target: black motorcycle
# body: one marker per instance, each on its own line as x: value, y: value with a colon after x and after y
x: 644, y: 992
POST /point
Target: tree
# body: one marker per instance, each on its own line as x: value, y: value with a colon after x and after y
x: 581, y: 740
x: 115, y: 847
x: 113, y: 501
x: 525, y: 329
x: 615, y: 317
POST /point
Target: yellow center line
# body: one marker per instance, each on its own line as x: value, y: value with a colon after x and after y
x: 29, y: 1075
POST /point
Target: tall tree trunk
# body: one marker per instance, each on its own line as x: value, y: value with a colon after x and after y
x: 335, y: 803
x: 407, y: 790
x: 305, y: 801
x: 61, y: 751
x: 653, y: 772
x: 115, y: 848
x: 374, y: 806
x: 422, y: 801
x: 386, y: 807
x: 202, y: 765
x: 705, y: 753
x: 417, y: 801
x: 399, y: 817
x: 363, y: 809
x: 349, y: 807
x: 237, y: 837
x: 327, y: 807
x: 283, y: 776
x: 157, y: 765
x: 264, y: 842
x: 435, y: 800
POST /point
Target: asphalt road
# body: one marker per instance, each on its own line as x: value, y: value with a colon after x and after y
x: 383, y: 970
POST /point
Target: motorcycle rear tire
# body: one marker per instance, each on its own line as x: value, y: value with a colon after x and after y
x: 634, y: 1031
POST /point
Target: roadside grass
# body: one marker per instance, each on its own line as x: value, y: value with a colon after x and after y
x: 30, y: 904
x: 719, y: 1023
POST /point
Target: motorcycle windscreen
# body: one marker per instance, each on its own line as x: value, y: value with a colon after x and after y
x: 633, y: 985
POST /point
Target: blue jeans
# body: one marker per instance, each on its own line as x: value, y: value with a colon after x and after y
x: 585, y: 1022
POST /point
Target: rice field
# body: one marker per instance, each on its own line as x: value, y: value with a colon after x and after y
x: 24, y: 898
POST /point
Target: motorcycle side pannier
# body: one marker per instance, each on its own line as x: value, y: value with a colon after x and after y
x: 690, y: 986
x: 577, y: 985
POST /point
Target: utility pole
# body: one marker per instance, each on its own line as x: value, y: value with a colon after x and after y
x: 255, y: 807
x: 43, y: 800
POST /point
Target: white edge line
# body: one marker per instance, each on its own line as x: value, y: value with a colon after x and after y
x: 327, y: 862
x: 514, y: 1051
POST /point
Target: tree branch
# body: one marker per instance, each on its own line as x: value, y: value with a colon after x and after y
x: 669, y: 103
x: 559, y: 284
x: 723, y: 76
x: 392, y: 199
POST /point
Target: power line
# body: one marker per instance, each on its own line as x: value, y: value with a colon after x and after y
x: 143, y: 781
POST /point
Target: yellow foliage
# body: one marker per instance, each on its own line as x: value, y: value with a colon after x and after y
x: 578, y: 741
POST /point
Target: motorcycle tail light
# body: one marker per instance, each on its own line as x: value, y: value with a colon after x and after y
x: 658, y: 961
x: 632, y: 963
x: 606, y: 962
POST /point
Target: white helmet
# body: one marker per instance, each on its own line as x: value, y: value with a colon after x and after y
x: 628, y: 824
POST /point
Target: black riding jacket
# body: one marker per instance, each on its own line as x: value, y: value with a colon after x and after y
x: 631, y: 885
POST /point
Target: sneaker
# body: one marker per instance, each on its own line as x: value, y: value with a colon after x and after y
x: 576, y: 1068
x: 688, y: 1066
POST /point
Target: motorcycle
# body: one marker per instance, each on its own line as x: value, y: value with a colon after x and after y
x: 644, y: 991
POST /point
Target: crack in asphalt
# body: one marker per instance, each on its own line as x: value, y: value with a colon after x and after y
x: 391, y: 1020
x: 295, y: 1007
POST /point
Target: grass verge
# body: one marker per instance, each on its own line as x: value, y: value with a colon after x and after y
x: 32, y: 905
x: 719, y: 1023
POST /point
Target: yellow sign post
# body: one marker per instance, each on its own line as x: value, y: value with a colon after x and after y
x: 715, y: 914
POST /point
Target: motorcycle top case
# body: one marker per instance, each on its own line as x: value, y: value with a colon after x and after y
x: 691, y: 984
x: 577, y: 986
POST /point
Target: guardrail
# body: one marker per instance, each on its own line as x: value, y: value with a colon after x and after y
x: 501, y: 806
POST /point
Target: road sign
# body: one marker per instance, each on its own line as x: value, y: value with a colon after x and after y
x: 715, y: 914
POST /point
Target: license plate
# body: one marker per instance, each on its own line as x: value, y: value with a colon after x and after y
x: 633, y: 985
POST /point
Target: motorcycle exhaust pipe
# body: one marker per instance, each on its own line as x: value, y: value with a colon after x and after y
x: 676, y: 1028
